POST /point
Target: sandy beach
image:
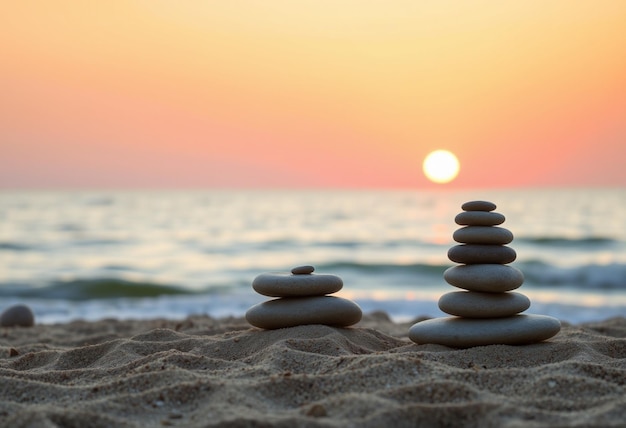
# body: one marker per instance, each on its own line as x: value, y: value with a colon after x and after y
x: 203, y: 372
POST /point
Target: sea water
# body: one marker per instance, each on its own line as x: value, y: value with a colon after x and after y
x: 148, y: 254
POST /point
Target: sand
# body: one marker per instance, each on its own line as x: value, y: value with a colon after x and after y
x: 204, y: 372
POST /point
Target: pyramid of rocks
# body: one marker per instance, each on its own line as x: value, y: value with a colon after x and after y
x: 487, y: 312
x: 302, y: 298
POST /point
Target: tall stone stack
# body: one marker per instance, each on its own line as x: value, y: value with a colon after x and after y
x: 303, y: 297
x: 488, y: 311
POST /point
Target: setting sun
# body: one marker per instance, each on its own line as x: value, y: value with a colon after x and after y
x: 441, y: 166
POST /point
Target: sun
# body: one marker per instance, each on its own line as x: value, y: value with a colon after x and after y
x: 441, y: 166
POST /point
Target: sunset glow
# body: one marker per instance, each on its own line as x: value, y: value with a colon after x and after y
x: 311, y: 93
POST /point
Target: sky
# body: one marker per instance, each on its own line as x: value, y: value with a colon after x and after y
x: 311, y: 93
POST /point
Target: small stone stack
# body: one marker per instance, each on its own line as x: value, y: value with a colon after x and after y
x: 488, y: 312
x: 303, y: 298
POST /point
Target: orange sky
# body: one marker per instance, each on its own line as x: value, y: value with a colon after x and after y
x: 312, y: 93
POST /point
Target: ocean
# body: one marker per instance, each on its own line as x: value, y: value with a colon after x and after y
x: 148, y: 254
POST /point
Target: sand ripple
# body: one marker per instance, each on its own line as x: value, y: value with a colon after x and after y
x: 204, y: 372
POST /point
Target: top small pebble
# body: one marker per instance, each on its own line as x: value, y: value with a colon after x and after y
x: 478, y: 206
x: 302, y: 270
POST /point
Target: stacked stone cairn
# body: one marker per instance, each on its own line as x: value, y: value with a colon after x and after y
x: 302, y: 298
x: 488, y: 312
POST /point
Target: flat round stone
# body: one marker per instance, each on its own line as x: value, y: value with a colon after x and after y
x: 302, y: 270
x: 289, y: 312
x: 490, y: 278
x: 479, y: 253
x: 288, y: 285
x: 483, y: 235
x: 472, y: 304
x: 458, y: 332
x: 478, y: 206
x: 479, y: 218
x: 17, y: 316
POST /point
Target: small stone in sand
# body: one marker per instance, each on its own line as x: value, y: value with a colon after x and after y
x: 302, y: 270
x: 316, y: 411
x: 17, y: 316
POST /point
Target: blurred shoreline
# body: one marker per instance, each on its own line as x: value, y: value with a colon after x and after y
x: 127, y: 254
